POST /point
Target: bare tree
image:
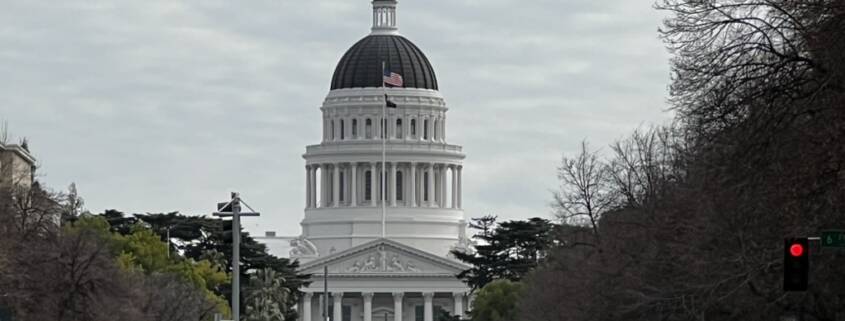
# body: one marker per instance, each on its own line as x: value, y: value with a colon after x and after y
x: 168, y: 297
x: 647, y: 164
x: 584, y: 192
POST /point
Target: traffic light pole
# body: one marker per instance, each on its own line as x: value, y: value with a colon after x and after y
x: 233, y: 209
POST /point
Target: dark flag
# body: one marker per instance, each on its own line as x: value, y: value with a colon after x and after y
x: 389, y: 103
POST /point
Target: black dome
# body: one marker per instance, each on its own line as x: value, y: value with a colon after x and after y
x: 361, y: 64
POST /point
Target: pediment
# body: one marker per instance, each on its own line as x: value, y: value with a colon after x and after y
x: 384, y: 257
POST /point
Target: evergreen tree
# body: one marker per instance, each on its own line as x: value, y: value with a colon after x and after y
x: 507, y: 251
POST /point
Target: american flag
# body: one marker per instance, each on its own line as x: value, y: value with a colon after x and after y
x: 392, y: 78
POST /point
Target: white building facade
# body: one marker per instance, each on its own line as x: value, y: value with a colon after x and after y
x: 384, y: 230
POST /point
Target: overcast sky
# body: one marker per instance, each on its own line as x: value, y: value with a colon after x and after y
x: 159, y: 105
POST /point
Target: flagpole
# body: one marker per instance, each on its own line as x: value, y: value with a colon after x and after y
x: 383, y: 134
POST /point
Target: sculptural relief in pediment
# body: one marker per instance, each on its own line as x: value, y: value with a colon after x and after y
x: 384, y: 259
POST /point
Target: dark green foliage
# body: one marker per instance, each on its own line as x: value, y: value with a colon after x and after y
x: 202, y: 237
x: 507, y: 251
x: 497, y: 301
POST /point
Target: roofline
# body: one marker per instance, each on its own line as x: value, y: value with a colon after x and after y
x: 23, y: 153
x: 359, y: 248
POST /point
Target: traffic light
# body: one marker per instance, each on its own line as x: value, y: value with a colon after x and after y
x: 796, y: 264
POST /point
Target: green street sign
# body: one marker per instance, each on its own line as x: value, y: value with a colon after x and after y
x: 833, y: 239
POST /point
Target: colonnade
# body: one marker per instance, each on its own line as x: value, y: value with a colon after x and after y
x: 409, y: 184
x: 367, y: 300
x: 417, y: 127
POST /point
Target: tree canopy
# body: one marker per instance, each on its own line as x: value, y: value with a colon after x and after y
x: 699, y: 208
x: 508, y: 250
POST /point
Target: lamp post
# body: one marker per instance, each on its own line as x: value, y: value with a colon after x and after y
x: 233, y: 209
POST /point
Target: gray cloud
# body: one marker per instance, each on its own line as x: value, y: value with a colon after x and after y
x: 159, y: 105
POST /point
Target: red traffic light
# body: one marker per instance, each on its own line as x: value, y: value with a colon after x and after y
x: 796, y: 250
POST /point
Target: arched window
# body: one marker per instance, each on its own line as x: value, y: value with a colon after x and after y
x: 399, y: 186
x: 414, y: 128
x: 399, y: 128
x: 368, y: 184
x: 354, y: 128
x: 342, y: 130
x: 369, y: 128
x: 425, y: 129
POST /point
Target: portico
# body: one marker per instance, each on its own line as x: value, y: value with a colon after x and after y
x: 381, y: 278
x: 355, y: 306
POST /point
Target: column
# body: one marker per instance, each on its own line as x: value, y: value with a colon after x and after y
x: 430, y: 129
x: 368, y: 306
x: 413, y: 192
x: 321, y: 301
x: 324, y: 187
x: 338, y: 306
x: 431, y: 184
x: 443, y: 186
x: 397, y: 306
x: 470, y: 302
x: 443, y: 129
x: 358, y: 128
x: 310, y: 184
x: 373, y: 190
x: 392, y: 186
x: 306, y: 306
x: 459, y: 304
x: 336, y: 185
x: 428, y: 309
x: 347, y: 128
x: 354, y: 194
x: 377, y: 127
x: 332, y: 130
x: 407, y: 124
x: 460, y: 187
x: 436, y: 197
x: 454, y: 186
x: 391, y: 126
x: 307, y: 186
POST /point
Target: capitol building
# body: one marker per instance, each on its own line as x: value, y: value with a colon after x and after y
x: 383, y: 229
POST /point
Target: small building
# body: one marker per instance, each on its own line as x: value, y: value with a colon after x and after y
x: 17, y: 166
x: 277, y: 245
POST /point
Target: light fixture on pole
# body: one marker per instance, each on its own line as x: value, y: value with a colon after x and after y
x: 233, y: 209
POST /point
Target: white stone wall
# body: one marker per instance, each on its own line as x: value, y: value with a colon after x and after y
x: 16, y: 165
x: 343, y: 208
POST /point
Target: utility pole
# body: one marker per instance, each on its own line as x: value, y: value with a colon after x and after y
x: 233, y: 209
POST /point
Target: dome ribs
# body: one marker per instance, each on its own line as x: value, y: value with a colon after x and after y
x: 412, y: 70
x: 360, y: 66
x: 401, y: 66
x: 430, y: 80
